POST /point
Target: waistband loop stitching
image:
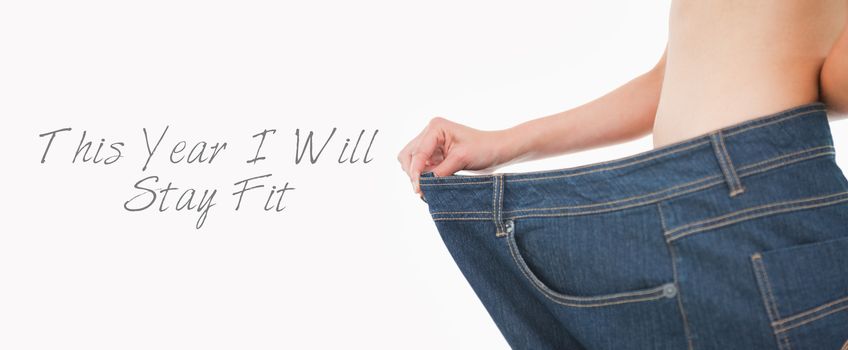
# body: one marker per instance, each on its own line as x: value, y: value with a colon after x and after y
x: 724, y: 161
x: 497, y: 204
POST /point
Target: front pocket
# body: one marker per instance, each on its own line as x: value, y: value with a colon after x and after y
x: 805, y: 293
x: 547, y: 271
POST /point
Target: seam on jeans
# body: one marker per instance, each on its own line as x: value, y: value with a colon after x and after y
x: 460, y: 212
x: 619, y: 207
x: 672, y: 188
x: 731, y: 214
x: 735, y: 177
x: 500, y: 199
x: 765, y: 287
x: 497, y: 203
x: 811, y: 319
x: 767, y: 296
x: 577, y: 301
x: 787, y: 155
x: 612, y: 167
x: 813, y: 310
x: 494, y: 195
x: 722, y: 161
x: 743, y: 172
x: 455, y: 183
x: 736, y: 216
x: 662, y: 217
x: 686, y: 330
x: 764, y: 123
x: 816, y: 313
x: 457, y: 219
x: 783, y: 163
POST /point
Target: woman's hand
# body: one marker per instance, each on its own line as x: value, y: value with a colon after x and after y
x: 445, y: 147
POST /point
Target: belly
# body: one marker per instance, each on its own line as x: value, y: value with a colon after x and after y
x: 731, y: 61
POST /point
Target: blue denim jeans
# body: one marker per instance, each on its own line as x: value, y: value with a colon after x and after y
x: 735, y: 239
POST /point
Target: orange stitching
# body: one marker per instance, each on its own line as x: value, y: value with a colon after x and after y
x: 455, y: 183
x: 811, y: 319
x: 720, y: 157
x: 743, y: 173
x: 731, y: 214
x: 708, y: 185
x: 459, y: 212
x: 626, y: 297
x: 806, y: 150
x: 494, y: 198
x: 767, y: 295
x: 735, y: 177
x: 618, y: 200
x: 500, y: 201
x: 673, y: 255
x: 795, y: 160
x: 662, y: 217
x: 717, y: 221
x: 810, y: 311
x: 452, y: 219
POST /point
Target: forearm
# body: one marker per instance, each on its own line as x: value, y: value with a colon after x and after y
x: 623, y: 114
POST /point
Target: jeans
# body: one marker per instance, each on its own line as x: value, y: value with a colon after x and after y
x: 735, y: 239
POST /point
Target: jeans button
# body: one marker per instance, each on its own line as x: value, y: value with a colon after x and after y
x: 508, y: 226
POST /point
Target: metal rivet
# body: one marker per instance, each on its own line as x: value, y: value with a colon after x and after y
x: 669, y: 290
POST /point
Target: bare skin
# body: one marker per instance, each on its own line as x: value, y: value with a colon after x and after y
x: 731, y: 61
x: 725, y: 62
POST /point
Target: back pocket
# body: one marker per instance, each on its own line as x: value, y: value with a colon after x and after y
x: 805, y: 293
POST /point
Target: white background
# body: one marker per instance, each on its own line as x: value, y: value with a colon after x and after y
x: 354, y: 260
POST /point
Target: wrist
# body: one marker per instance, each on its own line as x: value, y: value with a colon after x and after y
x: 514, y: 144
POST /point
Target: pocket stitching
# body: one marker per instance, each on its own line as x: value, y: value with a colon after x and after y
x: 818, y: 312
x: 769, y: 301
x: 667, y: 290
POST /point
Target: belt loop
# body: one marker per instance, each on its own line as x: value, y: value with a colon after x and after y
x: 727, y: 168
x: 497, y: 204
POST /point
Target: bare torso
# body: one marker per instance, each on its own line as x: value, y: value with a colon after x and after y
x: 729, y: 61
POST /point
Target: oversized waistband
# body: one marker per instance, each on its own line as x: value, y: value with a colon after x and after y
x: 720, y: 157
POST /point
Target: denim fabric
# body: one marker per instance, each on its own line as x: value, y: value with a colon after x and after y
x: 736, y: 239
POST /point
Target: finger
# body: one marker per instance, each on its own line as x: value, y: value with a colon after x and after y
x: 449, y: 166
x: 404, y: 158
x: 428, y: 144
x: 434, y: 161
x: 405, y: 154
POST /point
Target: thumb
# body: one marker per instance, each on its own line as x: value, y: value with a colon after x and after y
x: 450, y: 165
